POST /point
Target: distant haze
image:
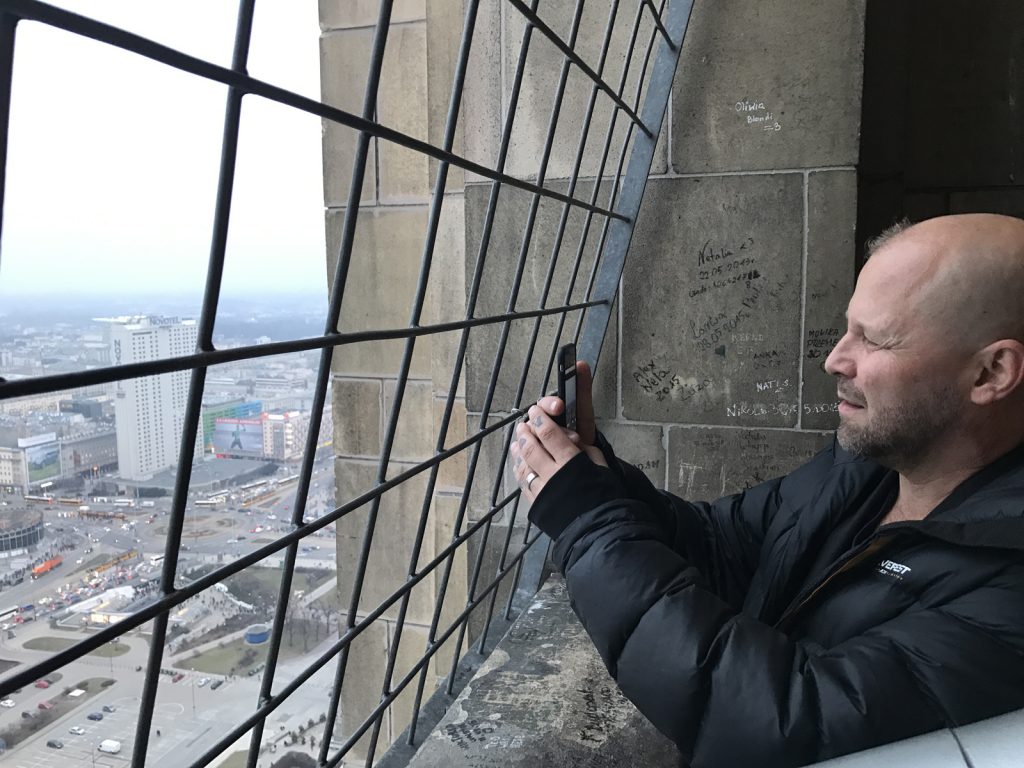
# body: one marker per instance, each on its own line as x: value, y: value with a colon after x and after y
x: 113, y: 159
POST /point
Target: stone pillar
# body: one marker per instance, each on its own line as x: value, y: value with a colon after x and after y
x: 380, y: 293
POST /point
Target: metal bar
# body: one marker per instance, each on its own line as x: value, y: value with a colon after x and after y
x: 37, y: 11
x: 8, y: 28
x: 567, y: 51
x: 193, y: 408
x: 40, y: 384
x: 635, y: 181
x: 588, y: 220
x: 436, y: 203
x: 658, y: 23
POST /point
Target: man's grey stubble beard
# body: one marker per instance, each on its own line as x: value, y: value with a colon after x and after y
x: 898, y: 436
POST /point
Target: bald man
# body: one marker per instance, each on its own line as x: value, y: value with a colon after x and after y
x: 875, y: 593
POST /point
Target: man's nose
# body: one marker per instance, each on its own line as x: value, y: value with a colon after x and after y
x: 839, y: 362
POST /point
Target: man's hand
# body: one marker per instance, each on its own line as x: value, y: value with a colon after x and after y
x: 541, y: 448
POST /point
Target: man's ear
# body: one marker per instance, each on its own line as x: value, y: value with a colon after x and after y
x: 1000, y: 371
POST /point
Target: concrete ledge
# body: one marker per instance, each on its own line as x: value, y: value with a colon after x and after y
x: 544, y: 698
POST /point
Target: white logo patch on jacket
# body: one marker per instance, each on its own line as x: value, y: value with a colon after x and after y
x: 893, y: 569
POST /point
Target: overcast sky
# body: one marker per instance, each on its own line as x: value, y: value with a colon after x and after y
x: 112, y: 158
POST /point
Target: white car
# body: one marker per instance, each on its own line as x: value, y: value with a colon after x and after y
x: 203, y: 681
x: 8, y: 703
x: 77, y: 730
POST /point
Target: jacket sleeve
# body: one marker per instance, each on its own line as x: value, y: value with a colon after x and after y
x: 730, y: 690
x: 720, y: 539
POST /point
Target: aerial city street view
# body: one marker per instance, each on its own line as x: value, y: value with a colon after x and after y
x: 87, y: 478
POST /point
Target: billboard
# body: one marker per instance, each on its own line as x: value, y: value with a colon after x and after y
x: 238, y: 437
x: 43, y: 461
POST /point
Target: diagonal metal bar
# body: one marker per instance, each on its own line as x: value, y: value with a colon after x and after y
x: 659, y: 24
x: 569, y: 53
x: 37, y: 11
x: 614, y: 255
x: 8, y: 28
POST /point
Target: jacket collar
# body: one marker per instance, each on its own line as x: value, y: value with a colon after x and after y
x: 985, y: 510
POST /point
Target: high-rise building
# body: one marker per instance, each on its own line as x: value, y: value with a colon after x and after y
x: 149, y: 411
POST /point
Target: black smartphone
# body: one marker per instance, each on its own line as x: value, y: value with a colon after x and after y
x: 567, y: 385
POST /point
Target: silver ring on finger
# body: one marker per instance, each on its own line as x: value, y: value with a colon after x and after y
x: 529, y: 480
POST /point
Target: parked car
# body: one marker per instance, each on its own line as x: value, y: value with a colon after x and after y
x: 7, y: 703
x: 203, y: 681
x: 77, y: 730
x: 177, y: 677
x: 95, y: 716
x: 46, y: 705
x: 216, y: 684
x: 109, y: 708
x: 55, y: 744
x: 42, y: 684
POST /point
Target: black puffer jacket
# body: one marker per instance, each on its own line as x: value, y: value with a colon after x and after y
x: 781, y: 626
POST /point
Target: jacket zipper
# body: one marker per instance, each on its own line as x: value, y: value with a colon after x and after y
x: 866, y: 550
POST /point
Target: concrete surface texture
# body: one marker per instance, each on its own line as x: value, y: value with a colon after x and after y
x: 544, y: 698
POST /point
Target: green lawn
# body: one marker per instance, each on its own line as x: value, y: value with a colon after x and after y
x: 54, y: 644
x: 237, y: 655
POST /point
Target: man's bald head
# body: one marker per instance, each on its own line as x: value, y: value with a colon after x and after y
x: 964, y: 274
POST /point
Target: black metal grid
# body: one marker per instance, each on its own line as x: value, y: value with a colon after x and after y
x: 667, y: 21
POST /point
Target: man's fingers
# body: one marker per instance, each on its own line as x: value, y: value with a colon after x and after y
x: 551, y: 436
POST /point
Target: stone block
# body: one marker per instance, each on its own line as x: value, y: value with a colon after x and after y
x: 403, y: 173
x: 446, y: 293
x: 446, y: 509
x: 381, y: 288
x: 718, y: 341
x: 768, y: 84
x: 533, y: 113
x: 452, y: 472
x: 401, y: 105
x: 499, y: 278
x: 444, y: 35
x: 412, y: 645
x: 394, y: 535
x: 415, y: 435
x: 360, y: 694
x: 706, y: 463
x: 357, y: 417
x: 831, y: 229
x: 344, y: 14
x: 482, y: 121
x: 344, y: 59
x: 493, y: 479
x: 490, y: 562
x: 641, y: 445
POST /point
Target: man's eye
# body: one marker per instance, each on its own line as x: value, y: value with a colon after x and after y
x: 871, y: 343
